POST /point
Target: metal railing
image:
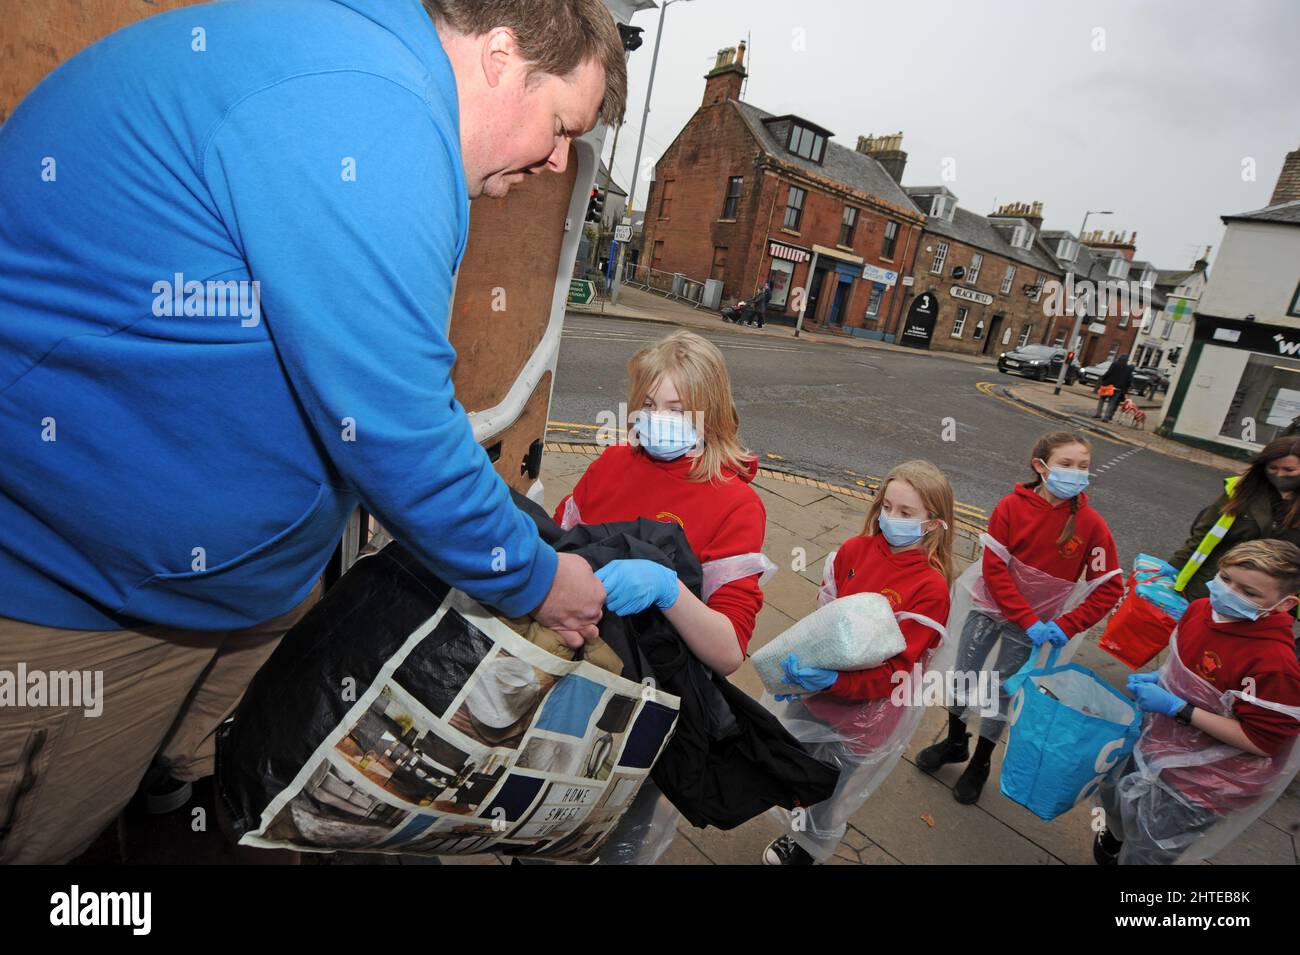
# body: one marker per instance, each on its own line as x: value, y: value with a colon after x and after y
x: 673, y: 286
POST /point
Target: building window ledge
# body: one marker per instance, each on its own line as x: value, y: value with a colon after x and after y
x: 788, y: 231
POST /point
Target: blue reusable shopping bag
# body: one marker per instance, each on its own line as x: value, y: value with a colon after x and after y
x: 1069, y: 729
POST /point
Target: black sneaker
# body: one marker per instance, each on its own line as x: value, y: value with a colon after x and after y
x: 971, y: 783
x: 785, y: 851
x: 943, y: 752
x: 1105, y: 849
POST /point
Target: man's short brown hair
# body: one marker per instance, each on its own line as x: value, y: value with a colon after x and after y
x: 554, y: 36
x: 1278, y: 559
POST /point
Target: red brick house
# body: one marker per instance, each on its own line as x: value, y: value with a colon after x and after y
x: 747, y: 197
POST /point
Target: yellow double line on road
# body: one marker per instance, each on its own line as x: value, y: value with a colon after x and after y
x: 869, y: 481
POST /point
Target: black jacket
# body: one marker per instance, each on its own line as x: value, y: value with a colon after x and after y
x: 1121, y: 376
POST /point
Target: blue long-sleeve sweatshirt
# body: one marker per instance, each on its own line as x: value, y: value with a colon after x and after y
x: 179, y: 445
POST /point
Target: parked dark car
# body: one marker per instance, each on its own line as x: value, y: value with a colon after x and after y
x: 1149, y: 381
x: 1093, y: 373
x: 1039, y: 362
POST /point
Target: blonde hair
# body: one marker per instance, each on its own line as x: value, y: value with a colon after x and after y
x: 1043, y: 449
x: 699, y: 372
x: 1278, y: 559
x: 935, y: 491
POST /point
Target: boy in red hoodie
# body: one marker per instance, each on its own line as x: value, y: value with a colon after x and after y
x: 1042, y: 538
x: 1232, y: 679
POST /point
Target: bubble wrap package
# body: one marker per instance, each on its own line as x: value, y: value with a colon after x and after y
x: 851, y: 633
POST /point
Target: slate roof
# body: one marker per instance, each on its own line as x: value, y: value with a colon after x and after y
x: 841, y: 164
x: 981, y: 232
x: 1286, y: 213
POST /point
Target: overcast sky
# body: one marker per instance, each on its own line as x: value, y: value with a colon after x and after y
x: 1155, y: 125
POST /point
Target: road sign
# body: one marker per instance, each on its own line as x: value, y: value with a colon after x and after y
x: 581, y: 291
x: 622, y: 233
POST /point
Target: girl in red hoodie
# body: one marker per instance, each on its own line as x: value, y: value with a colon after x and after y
x: 684, y: 463
x: 1042, y: 538
x: 862, y: 720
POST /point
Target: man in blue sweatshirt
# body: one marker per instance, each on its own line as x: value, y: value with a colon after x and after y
x: 228, y: 237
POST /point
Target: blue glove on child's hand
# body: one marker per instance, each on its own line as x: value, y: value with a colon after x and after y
x: 1151, y: 677
x: 811, y: 679
x: 1055, y: 635
x: 1038, y: 633
x: 1153, y: 698
x: 634, y: 585
x: 1167, y: 569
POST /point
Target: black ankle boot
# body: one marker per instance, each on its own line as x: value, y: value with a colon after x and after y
x: 971, y: 783
x: 954, y: 749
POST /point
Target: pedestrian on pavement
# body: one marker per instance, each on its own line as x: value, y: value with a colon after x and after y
x: 683, y: 462
x: 224, y: 297
x: 1261, y: 502
x: 851, y: 719
x: 760, y: 303
x: 1223, y: 713
x: 1113, y: 387
x: 1049, y: 572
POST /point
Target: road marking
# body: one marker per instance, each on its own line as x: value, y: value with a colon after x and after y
x: 987, y: 388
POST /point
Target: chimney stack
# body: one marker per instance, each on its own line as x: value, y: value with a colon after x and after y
x: 725, y: 80
x: 1288, y: 180
x: 886, y: 150
x: 1203, y: 263
x: 1031, y: 212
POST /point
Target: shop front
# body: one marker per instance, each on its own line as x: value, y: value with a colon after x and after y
x: 1241, y: 386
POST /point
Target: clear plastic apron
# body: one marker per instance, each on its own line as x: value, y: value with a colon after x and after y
x: 864, y: 739
x: 1049, y: 597
x: 1243, y: 785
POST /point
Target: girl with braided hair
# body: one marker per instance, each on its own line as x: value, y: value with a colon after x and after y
x: 1049, y: 572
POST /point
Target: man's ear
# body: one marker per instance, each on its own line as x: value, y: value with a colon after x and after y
x: 499, y: 52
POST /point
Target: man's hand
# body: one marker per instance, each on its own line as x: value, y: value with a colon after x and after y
x: 573, y: 605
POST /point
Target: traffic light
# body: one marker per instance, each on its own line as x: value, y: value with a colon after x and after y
x: 595, y: 205
x: 631, y: 37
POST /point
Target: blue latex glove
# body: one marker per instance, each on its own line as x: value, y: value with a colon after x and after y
x: 1038, y: 633
x: 1167, y: 569
x: 1153, y: 698
x: 1151, y: 677
x: 811, y: 679
x: 635, y: 585
x: 1055, y: 635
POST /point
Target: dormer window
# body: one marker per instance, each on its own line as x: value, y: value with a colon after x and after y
x: 940, y: 206
x: 806, y: 143
x: 1118, y: 267
x: 1067, y: 249
x: 1148, y: 277
x: 1022, y: 237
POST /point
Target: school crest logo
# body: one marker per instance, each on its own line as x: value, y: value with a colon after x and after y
x: 668, y: 517
x: 1209, y: 666
x: 893, y: 596
x: 1071, y: 547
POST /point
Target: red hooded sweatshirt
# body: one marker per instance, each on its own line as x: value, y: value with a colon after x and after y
x: 1227, y: 655
x: 721, y: 518
x: 908, y: 582
x: 1029, y: 528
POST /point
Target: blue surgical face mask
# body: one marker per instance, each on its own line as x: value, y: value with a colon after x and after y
x: 900, y: 532
x: 665, y: 436
x: 1065, y: 482
x: 1228, y: 603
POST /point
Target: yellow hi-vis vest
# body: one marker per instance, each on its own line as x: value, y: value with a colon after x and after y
x: 1210, y: 540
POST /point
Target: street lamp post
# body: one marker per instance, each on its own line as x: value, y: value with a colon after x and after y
x: 640, y: 141
x: 1078, y: 315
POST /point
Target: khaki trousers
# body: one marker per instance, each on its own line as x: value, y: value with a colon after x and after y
x: 67, y: 772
